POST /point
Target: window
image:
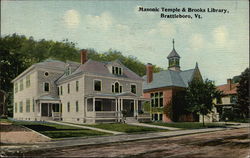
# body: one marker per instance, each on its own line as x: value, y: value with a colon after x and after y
x: 27, y: 105
x: 156, y: 99
x: 218, y: 101
x: 116, y: 88
x: 77, y: 86
x: 16, y: 87
x: 68, y: 71
x: 156, y: 117
x: 46, y: 74
x: 68, y: 107
x: 77, y: 107
x: 46, y: 87
x: 97, y: 85
x: 233, y: 99
x: 27, y: 81
x: 133, y: 88
x: 21, y: 85
x: 15, y: 107
x: 68, y: 88
x: 20, y: 106
x: 116, y: 70
x: 61, y: 90
x: 160, y: 117
x: 33, y: 105
x: 58, y: 90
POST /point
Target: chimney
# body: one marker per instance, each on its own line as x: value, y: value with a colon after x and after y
x: 229, y: 82
x: 149, y: 72
x: 84, y: 57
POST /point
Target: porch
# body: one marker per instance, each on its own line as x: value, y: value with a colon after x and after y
x: 113, y: 108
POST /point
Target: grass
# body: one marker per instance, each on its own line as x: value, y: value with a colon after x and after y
x: 119, y: 127
x: 2, y: 120
x: 189, y: 125
x: 58, y: 131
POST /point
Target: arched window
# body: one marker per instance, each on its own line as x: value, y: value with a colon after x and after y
x: 116, y: 88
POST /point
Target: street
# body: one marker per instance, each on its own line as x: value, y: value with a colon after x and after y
x: 233, y: 143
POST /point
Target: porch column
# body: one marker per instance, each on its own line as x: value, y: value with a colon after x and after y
x: 48, y: 108
x: 116, y: 109
x: 121, y: 105
x: 134, y: 109
x: 94, y: 104
x: 137, y: 107
x: 85, y: 106
x: 40, y: 109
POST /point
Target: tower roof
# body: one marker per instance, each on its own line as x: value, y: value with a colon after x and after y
x: 173, y: 53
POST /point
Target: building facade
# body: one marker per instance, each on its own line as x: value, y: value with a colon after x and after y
x: 86, y: 92
x: 161, y: 87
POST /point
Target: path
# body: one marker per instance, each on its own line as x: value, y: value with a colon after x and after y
x: 154, y: 126
x: 87, y: 127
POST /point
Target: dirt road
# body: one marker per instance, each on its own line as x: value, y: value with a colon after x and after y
x: 227, y: 144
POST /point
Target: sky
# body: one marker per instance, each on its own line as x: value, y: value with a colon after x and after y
x: 218, y: 42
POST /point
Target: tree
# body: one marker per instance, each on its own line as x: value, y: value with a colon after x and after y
x: 200, y: 96
x: 243, y: 94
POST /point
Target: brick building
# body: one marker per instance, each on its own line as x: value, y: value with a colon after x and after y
x: 162, y: 86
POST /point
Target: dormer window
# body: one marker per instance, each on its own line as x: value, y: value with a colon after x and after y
x: 68, y: 71
x: 116, y: 70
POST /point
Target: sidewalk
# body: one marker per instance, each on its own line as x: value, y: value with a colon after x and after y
x: 86, y: 127
x: 110, y: 139
x: 154, y: 126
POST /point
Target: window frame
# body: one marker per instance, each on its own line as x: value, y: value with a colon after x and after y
x: 77, y: 106
x: 44, y: 86
x: 133, y: 84
x: 68, y: 106
x: 99, y: 80
x: 27, y: 81
x: 27, y: 105
x: 21, y: 85
x: 68, y: 87
x: 21, y: 107
x: 77, y: 86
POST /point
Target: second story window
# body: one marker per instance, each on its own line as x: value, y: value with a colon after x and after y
x: 68, y: 88
x: 61, y: 90
x: 21, y: 85
x: 157, y: 99
x: 97, y: 85
x: 133, y: 88
x: 116, y: 88
x: 27, y: 81
x: 77, y: 86
x: 46, y: 87
x: 233, y: 99
x: 16, y: 87
x: 15, y: 107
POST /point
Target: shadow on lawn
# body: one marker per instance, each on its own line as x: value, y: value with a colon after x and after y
x: 49, y: 128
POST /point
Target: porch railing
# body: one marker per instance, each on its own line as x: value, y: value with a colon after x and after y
x: 103, y: 114
x: 56, y: 114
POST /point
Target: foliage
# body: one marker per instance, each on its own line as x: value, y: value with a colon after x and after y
x: 178, y: 105
x: 19, y: 52
x: 125, y: 128
x: 200, y: 96
x: 168, y: 109
x: 243, y: 94
x: 146, y: 106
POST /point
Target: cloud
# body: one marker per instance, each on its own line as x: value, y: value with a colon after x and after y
x: 196, y: 41
x: 220, y: 35
x: 163, y: 28
x: 103, y: 21
x: 71, y: 18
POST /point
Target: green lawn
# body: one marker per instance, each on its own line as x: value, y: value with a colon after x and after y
x: 58, y: 131
x: 189, y: 125
x: 120, y: 127
x: 5, y: 120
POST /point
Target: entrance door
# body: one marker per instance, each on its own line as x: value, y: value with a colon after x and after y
x: 128, y: 105
x: 45, y: 109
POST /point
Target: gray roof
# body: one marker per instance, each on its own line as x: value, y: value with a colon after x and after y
x: 173, y: 54
x: 169, y: 78
x: 101, y: 68
x: 52, y: 63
